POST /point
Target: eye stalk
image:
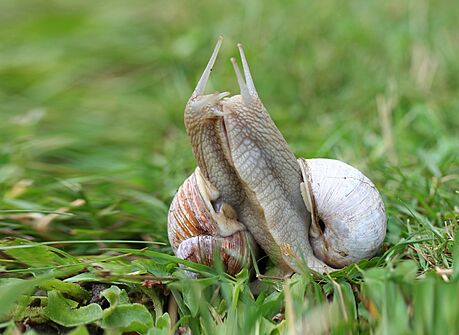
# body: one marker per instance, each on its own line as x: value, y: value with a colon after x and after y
x: 201, y: 86
x: 246, y: 85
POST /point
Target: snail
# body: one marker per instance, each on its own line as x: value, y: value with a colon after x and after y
x: 249, y: 190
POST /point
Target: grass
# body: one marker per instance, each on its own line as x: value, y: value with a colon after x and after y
x: 93, y: 147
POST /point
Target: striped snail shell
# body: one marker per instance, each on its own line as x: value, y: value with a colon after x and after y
x: 201, y: 227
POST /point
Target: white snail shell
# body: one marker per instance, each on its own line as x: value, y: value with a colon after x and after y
x: 201, y: 227
x: 348, y: 217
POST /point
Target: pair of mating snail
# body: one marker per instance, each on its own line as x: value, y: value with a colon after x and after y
x: 249, y: 190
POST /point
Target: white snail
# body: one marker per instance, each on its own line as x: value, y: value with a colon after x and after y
x: 249, y: 186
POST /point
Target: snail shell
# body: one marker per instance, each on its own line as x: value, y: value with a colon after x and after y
x: 201, y: 226
x: 348, y: 220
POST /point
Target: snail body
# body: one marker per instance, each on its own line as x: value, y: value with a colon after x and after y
x: 245, y: 161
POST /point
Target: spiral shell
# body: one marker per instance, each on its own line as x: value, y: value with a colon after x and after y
x: 201, y: 226
x: 348, y: 217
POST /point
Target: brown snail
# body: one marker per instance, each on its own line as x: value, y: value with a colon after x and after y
x: 249, y: 186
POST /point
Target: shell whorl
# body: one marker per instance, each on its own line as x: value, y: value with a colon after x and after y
x: 348, y: 217
x: 201, y: 227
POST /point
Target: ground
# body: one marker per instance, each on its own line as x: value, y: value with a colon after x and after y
x: 93, y: 148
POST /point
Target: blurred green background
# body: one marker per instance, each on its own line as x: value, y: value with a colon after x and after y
x: 91, y: 122
x: 92, y: 95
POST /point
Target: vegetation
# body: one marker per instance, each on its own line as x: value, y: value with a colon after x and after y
x: 93, y: 147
